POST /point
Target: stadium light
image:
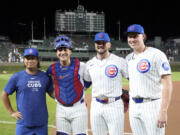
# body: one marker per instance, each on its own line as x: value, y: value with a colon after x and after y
x: 119, y: 30
x: 32, y: 33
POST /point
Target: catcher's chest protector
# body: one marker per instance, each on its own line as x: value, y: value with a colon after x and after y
x: 68, y: 87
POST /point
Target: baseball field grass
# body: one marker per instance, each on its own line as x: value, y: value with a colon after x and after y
x: 7, y: 123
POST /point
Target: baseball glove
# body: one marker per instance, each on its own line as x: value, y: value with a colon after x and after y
x: 125, y: 98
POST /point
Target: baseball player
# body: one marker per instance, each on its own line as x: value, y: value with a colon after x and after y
x: 106, y: 70
x: 31, y: 86
x: 150, y: 85
x: 67, y: 73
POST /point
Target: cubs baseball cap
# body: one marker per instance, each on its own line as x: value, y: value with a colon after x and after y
x: 31, y: 51
x: 102, y: 36
x: 135, y: 28
x: 63, y: 44
x: 62, y: 38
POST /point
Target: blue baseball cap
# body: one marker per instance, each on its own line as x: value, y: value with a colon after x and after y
x: 62, y: 38
x: 102, y: 36
x: 135, y: 28
x: 31, y: 51
x: 63, y: 44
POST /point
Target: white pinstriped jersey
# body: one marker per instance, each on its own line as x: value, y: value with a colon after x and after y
x: 145, y: 71
x: 106, y: 75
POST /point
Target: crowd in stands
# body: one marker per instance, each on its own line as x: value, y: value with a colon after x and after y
x: 12, y: 53
x: 171, y: 53
x: 15, y: 56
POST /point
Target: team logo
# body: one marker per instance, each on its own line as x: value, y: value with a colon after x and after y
x: 30, y: 51
x: 63, y: 76
x: 143, y: 66
x: 100, y: 35
x: 34, y: 84
x: 165, y: 66
x: 131, y: 28
x: 63, y: 68
x: 111, y: 71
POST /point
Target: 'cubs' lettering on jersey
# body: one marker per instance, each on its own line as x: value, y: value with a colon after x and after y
x: 165, y: 66
x: 34, y: 84
x: 111, y: 71
x: 143, y: 66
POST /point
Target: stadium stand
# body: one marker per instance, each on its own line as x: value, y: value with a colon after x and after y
x: 83, y: 48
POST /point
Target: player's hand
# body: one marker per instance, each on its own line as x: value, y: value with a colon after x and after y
x: 162, y: 119
x: 17, y: 115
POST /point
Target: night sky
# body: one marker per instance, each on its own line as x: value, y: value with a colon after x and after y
x: 158, y: 19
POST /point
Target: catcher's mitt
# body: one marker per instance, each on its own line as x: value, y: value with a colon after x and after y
x: 125, y: 98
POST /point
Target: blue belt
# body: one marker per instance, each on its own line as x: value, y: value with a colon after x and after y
x: 108, y: 100
x: 142, y: 100
x: 70, y: 105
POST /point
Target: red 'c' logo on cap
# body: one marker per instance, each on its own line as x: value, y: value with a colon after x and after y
x: 100, y: 35
x: 30, y: 51
x: 131, y: 28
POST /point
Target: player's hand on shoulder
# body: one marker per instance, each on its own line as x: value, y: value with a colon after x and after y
x: 17, y: 115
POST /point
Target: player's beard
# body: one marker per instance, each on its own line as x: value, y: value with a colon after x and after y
x: 32, y: 69
x: 101, y: 50
x: 32, y: 66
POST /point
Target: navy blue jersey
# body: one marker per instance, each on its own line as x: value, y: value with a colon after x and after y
x: 68, y: 81
x: 30, y: 96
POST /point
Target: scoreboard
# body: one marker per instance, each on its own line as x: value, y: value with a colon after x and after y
x: 79, y: 21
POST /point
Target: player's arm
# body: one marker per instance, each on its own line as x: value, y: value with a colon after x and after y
x: 124, y: 68
x: 6, y: 101
x: 166, y: 92
x: 86, y: 76
x: 51, y: 91
x: 164, y: 70
x: 166, y: 82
